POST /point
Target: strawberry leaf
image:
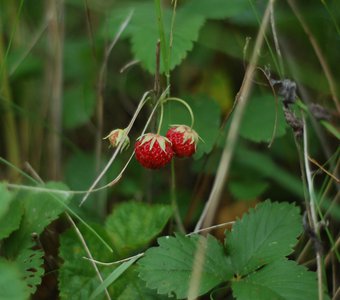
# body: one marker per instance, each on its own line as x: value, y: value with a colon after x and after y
x: 31, y: 265
x: 282, y: 279
x: 265, y: 234
x: 77, y: 277
x: 132, y: 225
x: 11, y: 284
x: 168, y: 268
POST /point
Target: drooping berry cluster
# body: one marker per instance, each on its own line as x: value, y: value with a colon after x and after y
x: 154, y: 151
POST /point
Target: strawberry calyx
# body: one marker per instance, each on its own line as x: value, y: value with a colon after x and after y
x: 189, y: 134
x: 118, y: 136
x: 153, y: 138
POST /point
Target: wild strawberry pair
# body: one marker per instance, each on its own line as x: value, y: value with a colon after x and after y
x: 154, y: 151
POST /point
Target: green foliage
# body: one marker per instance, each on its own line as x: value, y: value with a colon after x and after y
x: 281, y: 279
x: 11, y: 285
x: 113, y: 277
x: 6, y: 198
x: 216, y: 9
x: 78, y: 106
x: 77, y: 277
x: 31, y: 263
x: 33, y: 211
x: 265, y: 234
x: 132, y: 225
x: 255, y: 187
x: 262, y: 238
x: 40, y: 209
x: 11, y: 220
x: 258, y: 121
x: 169, y: 267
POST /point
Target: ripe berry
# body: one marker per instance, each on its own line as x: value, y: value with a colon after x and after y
x: 183, y: 139
x: 153, y: 151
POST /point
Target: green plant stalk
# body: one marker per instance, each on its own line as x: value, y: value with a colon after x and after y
x: 277, y: 65
x: 164, y: 49
x: 187, y: 107
x: 174, y: 199
x: 9, y: 125
x: 314, y: 218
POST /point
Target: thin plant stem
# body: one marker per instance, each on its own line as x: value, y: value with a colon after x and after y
x: 54, y: 83
x: 174, y: 199
x: 314, y: 218
x: 164, y: 48
x: 88, y: 252
x: 160, y: 119
x: 318, y: 52
x: 8, y: 119
x: 186, y: 105
x: 142, y: 253
x: 210, y: 208
x: 114, y: 155
x: 227, y: 154
x: 276, y: 41
x: 101, y: 86
x: 174, y: 2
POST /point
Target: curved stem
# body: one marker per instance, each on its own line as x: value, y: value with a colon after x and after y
x: 186, y: 105
x: 160, y: 119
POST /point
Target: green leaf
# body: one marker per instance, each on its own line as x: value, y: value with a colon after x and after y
x: 11, y: 220
x: 6, y: 198
x: 144, y: 33
x: 247, y: 189
x: 40, y: 209
x: 216, y: 9
x: 132, y: 225
x: 31, y: 263
x: 205, y: 110
x: 78, y: 106
x: 168, y: 268
x: 113, y: 277
x: 259, y: 119
x: 265, y: 234
x: 11, y: 284
x: 281, y: 280
x: 77, y: 277
x: 130, y: 286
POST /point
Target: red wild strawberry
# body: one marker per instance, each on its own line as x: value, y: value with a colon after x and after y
x: 183, y: 139
x: 153, y: 151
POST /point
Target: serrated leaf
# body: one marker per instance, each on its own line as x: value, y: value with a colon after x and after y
x: 11, y: 220
x: 216, y: 9
x: 132, y: 225
x: 281, y: 280
x: 265, y: 234
x: 207, y: 120
x: 146, y: 34
x: 31, y: 263
x: 6, y: 198
x: 40, y: 209
x: 11, y: 284
x: 168, y: 268
x: 258, y: 121
x: 130, y: 286
x: 77, y: 277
